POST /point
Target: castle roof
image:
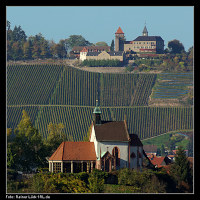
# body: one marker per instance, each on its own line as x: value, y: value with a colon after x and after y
x: 119, y: 31
x: 148, y: 38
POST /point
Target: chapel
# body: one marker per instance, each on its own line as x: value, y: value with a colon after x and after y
x: 110, y: 147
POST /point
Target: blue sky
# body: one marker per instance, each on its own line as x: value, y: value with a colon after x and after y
x: 99, y: 23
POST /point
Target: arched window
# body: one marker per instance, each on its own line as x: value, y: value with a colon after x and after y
x: 116, y: 154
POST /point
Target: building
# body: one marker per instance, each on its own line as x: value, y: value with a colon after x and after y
x: 160, y: 161
x: 150, y: 149
x: 110, y: 147
x: 103, y: 55
x: 144, y: 45
x: 75, y: 52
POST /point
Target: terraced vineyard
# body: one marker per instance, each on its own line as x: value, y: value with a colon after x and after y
x: 172, y: 85
x: 62, y: 94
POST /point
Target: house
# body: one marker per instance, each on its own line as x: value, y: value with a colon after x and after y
x: 110, y: 147
x: 150, y: 149
x: 144, y: 45
x: 75, y: 52
x: 112, y: 55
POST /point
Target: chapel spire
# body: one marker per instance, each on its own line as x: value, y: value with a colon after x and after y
x: 97, y: 114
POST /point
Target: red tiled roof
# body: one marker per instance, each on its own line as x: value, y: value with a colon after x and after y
x: 157, y: 160
x: 84, y: 50
x: 119, y: 31
x: 74, y: 151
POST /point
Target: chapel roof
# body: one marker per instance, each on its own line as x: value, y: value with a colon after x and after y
x: 74, y: 151
x: 111, y: 131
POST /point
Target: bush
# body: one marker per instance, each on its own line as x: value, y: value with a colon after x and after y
x: 96, y: 181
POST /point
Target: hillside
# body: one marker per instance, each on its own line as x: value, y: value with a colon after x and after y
x: 63, y: 94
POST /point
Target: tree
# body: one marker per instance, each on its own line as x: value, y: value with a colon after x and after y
x: 27, y: 145
x: 175, y: 46
x: 101, y: 44
x: 180, y: 169
x: 163, y: 150
x: 77, y: 40
x: 55, y: 137
x: 112, y: 46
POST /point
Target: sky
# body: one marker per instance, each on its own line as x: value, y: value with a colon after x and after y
x: 99, y: 23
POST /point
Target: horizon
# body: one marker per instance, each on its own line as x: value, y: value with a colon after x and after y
x: 99, y: 23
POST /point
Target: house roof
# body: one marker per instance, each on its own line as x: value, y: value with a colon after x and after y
x: 119, y: 31
x: 111, y: 53
x: 91, y: 48
x: 160, y: 161
x: 148, y: 38
x: 116, y: 53
x: 157, y: 160
x: 112, y: 131
x: 84, y: 50
x: 74, y: 151
x: 134, y: 140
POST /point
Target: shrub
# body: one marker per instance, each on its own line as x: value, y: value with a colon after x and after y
x: 96, y: 181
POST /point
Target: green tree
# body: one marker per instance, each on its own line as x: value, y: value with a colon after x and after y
x: 101, y: 44
x: 27, y: 145
x: 112, y: 45
x: 77, y: 40
x: 55, y: 137
x: 163, y: 150
x: 181, y: 170
x: 175, y: 46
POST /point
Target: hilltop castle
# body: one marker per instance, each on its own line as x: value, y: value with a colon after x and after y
x: 143, y: 45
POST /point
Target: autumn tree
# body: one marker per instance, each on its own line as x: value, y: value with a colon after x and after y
x: 55, y: 137
x: 27, y: 145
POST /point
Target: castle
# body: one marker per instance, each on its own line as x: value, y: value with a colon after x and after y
x: 144, y: 45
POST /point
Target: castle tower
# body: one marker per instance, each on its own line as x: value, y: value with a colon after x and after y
x: 97, y: 114
x: 119, y: 40
x: 145, y: 32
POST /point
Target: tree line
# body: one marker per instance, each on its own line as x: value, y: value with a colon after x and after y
x: 22, y: 47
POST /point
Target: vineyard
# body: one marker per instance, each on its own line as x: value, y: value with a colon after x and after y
x: 62, y: 94
x: 172, y: 85
x: 144, y: 121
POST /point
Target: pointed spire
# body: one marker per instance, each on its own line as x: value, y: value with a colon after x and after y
x: 119, y: 31
x: 97, y: 108
x: 145, y: 32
